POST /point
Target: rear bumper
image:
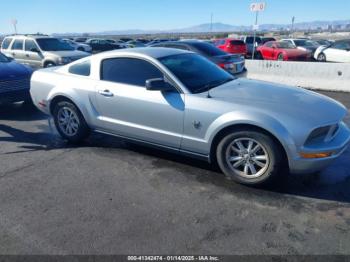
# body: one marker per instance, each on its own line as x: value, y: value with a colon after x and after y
x: 338, y: 146
x: 14, y: 96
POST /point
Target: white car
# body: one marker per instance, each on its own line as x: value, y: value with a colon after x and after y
x: 78, y: 46
x: 339, y: 52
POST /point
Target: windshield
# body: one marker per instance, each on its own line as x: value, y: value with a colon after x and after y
x: 285, y: 45
x: 3, y: 59
x: 196, y: 72
x: 209, y: 49
x: 53, y: 44
x: 250, y: 40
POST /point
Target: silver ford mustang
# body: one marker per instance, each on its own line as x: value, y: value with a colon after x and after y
x: 179, y: 101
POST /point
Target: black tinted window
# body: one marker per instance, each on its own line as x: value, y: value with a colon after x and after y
x: 197, y: 73
x: 237, y: 42
x: 341, y: 45
x: 6, y: 43
x: 30, y: 45
x: 250, y: 40
x: 129, y: 71
x: 17, y: 45
x: 208, y: 49
x: 182, y: 47
x: 82, y: 69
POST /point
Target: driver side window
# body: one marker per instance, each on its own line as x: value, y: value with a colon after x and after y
x: 130, y: 71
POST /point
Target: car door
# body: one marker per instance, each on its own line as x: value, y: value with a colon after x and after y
x: 17, y: 51
x: 33, y: 56
x: 338, y: 52
x: 267, y: 51
x: 127, y: 108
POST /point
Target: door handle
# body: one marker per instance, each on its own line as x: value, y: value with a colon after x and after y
x: 106, y: 93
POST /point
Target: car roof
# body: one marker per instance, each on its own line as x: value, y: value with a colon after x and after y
x: 29, y: 36
x: 154, y: 52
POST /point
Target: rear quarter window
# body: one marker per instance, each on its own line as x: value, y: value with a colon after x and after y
x: 6, y: 43
x: 82, y: 69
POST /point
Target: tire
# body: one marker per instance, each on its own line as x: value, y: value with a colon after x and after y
x: 237, y: 163
x: 66, y: 114
x: 280, y: 57
x: 259, y: 56
x: 321, y: 57
x: 49, y: 64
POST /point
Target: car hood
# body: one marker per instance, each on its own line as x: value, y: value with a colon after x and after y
x: 73, y: 53
x: 12, y: 70
x: 280, y: 100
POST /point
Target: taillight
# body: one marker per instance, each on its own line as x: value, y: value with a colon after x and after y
x: 226, y: 65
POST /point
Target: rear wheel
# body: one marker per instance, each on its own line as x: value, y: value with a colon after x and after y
x: 249, y: 157
x: 69, y: 122
x: 49, y: 64
x: 321, y: 57
x: 259, y: 56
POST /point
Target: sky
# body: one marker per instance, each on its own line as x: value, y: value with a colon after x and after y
x: 63, y: 16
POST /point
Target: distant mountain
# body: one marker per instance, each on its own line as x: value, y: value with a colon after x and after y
x: 220, y: 27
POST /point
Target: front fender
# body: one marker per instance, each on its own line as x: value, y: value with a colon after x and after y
x: 253, y: 118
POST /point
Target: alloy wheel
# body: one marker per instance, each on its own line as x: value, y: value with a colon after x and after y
x: 247, y: 158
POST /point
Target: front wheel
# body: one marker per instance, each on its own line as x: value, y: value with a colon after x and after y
x: 321, y: 57
x: 69, y: 122
x: 249, y: 157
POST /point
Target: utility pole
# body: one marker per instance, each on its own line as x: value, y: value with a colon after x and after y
x: 292, y: 30
x: 211, y: 23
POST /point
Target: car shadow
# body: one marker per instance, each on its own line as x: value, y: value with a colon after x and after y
x: 331, y: 184
x: 20, y: 112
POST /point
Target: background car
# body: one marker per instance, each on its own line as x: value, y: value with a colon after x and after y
x: 134, y: 43
x: 14, y: 81
x: 101, y: 45
x: 40, y: 50
x: 339, y: 51
x: 78, y: 46
x: 180, y: 101
x: 234, y: 64
x: 264, y: 40
x: 323, y: 42
x: 304, y: 44
x: 80, y: 39
x: 232, y: 46
x: 283, y: 51
x: 249, y: 41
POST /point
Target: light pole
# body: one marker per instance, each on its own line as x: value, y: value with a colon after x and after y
x: 211, y: 23
x: 255, y: 28
x: 292, y: 30
x: 14, y: 23
x: 256, y: 7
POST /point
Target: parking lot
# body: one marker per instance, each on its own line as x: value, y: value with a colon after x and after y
x: 112, y: 197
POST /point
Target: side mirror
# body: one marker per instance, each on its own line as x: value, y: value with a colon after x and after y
x: 158, y: 84
x: 34, y: 50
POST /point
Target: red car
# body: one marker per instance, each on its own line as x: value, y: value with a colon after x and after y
x: 232, y: 46
x: 283, y: 51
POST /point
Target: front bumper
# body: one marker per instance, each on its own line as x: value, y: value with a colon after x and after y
x: 14, y: 96
x: 337, y: 146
